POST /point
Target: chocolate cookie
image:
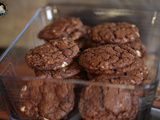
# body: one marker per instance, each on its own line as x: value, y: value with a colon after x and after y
x: 52, y: 56
x: 46, y: 100
x: 136, y: 76
x: 79, y: 33
x: 139, y: 48
x: 138, y: 63
x: 65, y: 27
x: 66, y: 72
x: 108, y: 103
x: 109, y: 58
x: 121, y: 32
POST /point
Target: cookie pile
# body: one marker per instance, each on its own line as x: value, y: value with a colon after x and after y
x: 114, y: 56
x: 54, y: 59
x: 46, y: 100
x: 118, y: 61
x: 57, y: 58
x: 118, y: 64
x: 50, y: 100
x: 108, y: 53
x: 115, y: 51
x: 108, y: 103
x: 69, y: 27
x: 116, y: 33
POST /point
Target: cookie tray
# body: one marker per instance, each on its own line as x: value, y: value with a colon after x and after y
x: 14, y: 73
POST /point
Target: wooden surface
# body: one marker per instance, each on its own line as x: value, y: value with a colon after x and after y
x: 3, y: 115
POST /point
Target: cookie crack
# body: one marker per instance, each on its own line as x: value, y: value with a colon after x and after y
x: 101, y: 37
x: 65, y: 30
x: 63, y: 50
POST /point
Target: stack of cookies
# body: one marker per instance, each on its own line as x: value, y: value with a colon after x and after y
x: 114, y: 56
x: 50, y: 100
x: 116, y: 51
x: 108, y: 53
x: 117, y: 64
x: 69, y: 27
x: 57, y: 58
x: 116, y: 33
x: 41, y: 100
x: 54, y: 59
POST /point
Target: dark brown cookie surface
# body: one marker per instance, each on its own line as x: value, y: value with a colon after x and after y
x: 138, y: 47
x: 82, y: 32
x: 65, y: 27
x: 52, y: 56
x: 66, y: 72
x: 138, y: 63
x: 136, y: 77
x: 108, y: 57
x: 114, y: 33
x: 46, y: 100
x: 107, y: 103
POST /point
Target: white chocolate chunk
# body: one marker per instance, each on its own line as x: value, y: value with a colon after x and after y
x: 23, y: 108
x: 138, y: 53
x: 132, y: 37
x: 54, y: 31
x: 102, y: 66
x: 64, y: 64
x: 29, y: 56
x: 45, y: 119
x: 125, y: 39
x: 63, y: 38
x: 24, y: 88
x: 146, y: 72
x: 120, y: 105
x: 132, y: 81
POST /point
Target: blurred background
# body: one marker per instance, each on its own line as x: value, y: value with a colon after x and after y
x: 18, y: 14
x: 21, y: 11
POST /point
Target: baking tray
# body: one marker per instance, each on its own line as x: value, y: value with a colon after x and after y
x: 15, y: 72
